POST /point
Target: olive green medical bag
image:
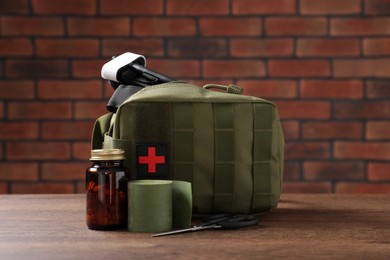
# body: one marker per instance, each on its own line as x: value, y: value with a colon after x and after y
x: 229, y: 146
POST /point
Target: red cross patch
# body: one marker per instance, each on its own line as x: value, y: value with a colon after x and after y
x: 152, y: 160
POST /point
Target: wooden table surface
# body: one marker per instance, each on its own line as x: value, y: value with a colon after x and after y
x: 303, y: 226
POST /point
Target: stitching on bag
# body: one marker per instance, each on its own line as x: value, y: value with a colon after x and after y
x: 168, y: 86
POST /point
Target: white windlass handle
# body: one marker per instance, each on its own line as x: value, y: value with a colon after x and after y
x: 110, y: 69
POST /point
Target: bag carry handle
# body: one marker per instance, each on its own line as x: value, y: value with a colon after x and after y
x: 233, y: 89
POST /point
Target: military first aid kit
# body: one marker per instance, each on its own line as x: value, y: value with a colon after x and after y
x: 229, y: 146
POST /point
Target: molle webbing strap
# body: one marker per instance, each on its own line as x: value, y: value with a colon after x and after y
x: 224, y: 157
x: 262, y: 157
x: 194, y: 151
x: 243, y: 150
x: 183, y: 142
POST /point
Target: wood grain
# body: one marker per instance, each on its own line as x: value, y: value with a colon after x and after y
x: 303, y: 226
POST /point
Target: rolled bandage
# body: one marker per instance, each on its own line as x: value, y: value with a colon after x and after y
x: 182, y: 204
x: 150, y: 206
x: 159, y: 205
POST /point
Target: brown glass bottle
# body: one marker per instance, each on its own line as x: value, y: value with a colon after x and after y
x: 106, y: 182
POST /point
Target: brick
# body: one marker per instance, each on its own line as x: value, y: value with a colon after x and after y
x: 362, y: 67
x: 230, y: 26
x: 362, y: 150
x: 81, y: 150
x: 295, y: 26
x: 307, y: 150
x: 19, y: 171
x: 42, y: 26
x: 18, y: 130
x: 377, y: 7
x: 70, y: 89
x: 264, y: 7
x: 67, y: 130
x: 359, y: 26
x: 378, y: 88
x: 98, y: 26
x: 90, y: 109
x: 131, y: 7
x: 63, y: 130
x: 331, y: 170
x: 17, y: 89
x: 330, y: 7
x: 14, y: 6
x: 67, y: 47
x: 269, y: 88
x: 332, y: 130
x: 39, y: 110
x: 362, y: 110
x: 88, y: 69
x: 148, y: 47
x: 83, y: 7
x: 164, y: 26
x: 233, y: 68
x: 376, y: 46
x: 58, y: 151
x: 14, y: 47
x: 328, y: 47
x: 379, y: 172
x: 1, y: 113
x: 107, y: 90
x: 41, y: 188
x: 280, y: 47
x: 307, y: 187
x: 80, y: 187
x: 290, y: 129
x: 304, y: 109
x: 36, y: 68
x: 3, y: 188
x: 198, y: 7
x: 299, y: 68
x: 176, y: 68
x: 197, y: 48
x: 291, y: 171
x: 64, y: 171
x: 378, y: 130
x: 351, y: 187
x: 332, y: 89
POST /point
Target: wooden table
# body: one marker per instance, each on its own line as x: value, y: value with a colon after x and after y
x: 303, y: 226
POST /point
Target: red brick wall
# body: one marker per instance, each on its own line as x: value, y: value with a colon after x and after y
x: 325, y: 63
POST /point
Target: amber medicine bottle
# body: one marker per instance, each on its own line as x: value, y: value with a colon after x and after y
x: 106, y: 183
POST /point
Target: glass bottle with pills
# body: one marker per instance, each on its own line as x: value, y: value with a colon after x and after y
x: 106, y: 184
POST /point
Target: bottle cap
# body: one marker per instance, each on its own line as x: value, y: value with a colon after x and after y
x: 107, y: 154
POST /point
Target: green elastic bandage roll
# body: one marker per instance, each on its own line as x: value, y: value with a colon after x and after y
x: 150, y: 206
x: 182, y: 204
x: 159, y: 205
